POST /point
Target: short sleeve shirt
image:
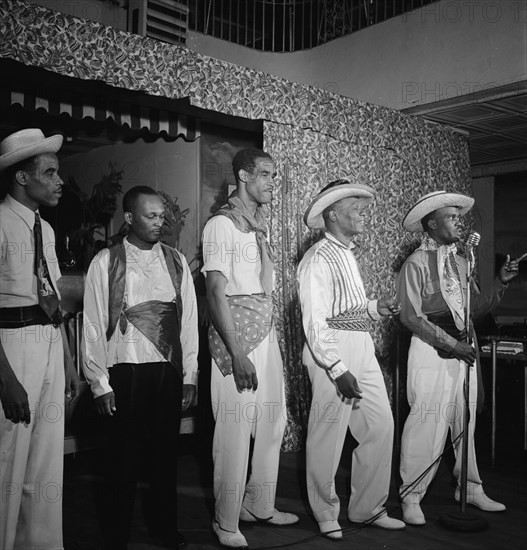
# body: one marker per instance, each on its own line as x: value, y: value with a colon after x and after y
x: 234, y: 254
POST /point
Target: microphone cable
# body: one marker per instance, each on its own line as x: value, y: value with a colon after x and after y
x: 355, y: 529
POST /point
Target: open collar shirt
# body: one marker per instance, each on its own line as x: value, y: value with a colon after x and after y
x: 147, y: 278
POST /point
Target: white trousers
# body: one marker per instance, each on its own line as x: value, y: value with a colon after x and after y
x: 371, y: 423
x: 260, y: 414
x: 31, y: 457
x: 435, y: 396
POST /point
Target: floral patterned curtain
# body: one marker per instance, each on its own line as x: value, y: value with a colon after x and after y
x: 415, y: 163
x: 315, y: 136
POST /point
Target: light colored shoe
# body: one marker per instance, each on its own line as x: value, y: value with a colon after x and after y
x: 412, y: 513
x: 330, y: 529
x: 229, y: 539
x: 477, y: 497
x: 386, y: 522
x: 278, y: 518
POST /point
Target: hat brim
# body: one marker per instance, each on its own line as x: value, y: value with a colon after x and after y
x: 432, y: 202
x: 313, y: 216
x: 48, y: 145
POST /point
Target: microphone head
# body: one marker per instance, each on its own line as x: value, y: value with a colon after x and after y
x: 473, y: 239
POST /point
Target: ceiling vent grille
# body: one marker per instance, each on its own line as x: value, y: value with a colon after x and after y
x: 164, y: 20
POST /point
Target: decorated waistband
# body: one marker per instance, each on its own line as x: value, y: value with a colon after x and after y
x: 356, y: 320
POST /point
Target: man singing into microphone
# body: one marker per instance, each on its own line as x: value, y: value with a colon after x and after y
x: 432, y: 290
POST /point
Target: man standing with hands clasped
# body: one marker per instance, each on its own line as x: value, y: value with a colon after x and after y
x: 34, y: 355
x: 432, y: 289
x: 347, y: 382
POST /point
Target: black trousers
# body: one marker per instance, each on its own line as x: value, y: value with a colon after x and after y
x: 141, y: 444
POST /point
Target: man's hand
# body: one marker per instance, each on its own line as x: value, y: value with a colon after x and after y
x: 508, y: 270
x: 388, y: 306
x: 244, y: 373
x: 464, y: 352
x: 105, y: 404
x: 73, y: 382
x: 14, y: 400
x: 348, y: 387
x: 189, y: 393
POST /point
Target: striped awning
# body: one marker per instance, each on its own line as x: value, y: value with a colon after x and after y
x: 135, y: 115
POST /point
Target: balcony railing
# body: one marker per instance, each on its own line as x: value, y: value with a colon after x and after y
x: 290, y: 25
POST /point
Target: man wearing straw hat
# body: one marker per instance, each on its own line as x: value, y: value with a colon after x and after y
x: 432, y: 289
x: 347, y: 382
x: 34, y: 357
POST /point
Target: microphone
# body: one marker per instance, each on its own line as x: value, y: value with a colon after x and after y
x: 473, y: 240
x: 471, y: 243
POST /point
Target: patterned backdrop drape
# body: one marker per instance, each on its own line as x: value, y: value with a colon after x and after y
x: 314, y: 136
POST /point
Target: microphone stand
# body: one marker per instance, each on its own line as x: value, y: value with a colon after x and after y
x: 463, y: 521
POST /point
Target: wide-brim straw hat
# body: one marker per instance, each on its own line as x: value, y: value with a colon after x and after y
x: 25, y: 144
x: 434, y: 201
x: 332, y: 193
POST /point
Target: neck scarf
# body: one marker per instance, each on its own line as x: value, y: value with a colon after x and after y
x: 449, y: 278
x: 245, y: 222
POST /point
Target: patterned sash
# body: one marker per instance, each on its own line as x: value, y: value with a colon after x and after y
x: 253, y: 318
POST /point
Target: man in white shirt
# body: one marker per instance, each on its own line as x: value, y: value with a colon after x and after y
x: 347, y: 382
x: 247, y: 383
x: 140, y: 357
x: 34, y: 356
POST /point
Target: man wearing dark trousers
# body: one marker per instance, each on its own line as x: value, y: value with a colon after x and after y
x: 140, y: 357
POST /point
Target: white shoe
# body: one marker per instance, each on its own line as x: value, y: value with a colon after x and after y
x: 386, y: 522
x: 228, y: 538
x: 412, y: 513
x: 277, y: 518
x: 477, y: 497
x: 330, y: 529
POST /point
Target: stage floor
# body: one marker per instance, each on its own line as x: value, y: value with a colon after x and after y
x: 507, y: 483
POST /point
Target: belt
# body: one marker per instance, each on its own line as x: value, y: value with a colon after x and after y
x: 446, y: 322
x: 17, y: 317
x: 354, y: 320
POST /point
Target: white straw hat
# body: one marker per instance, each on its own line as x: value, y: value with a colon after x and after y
x: 25, y: 144
x: 329, y: 195
x: 430, y: 203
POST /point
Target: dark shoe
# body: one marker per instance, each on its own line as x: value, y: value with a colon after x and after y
x: 115, y: 546
x: 175, y: 541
